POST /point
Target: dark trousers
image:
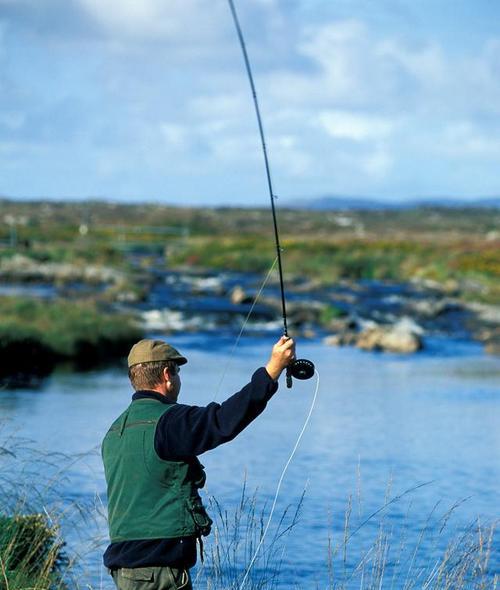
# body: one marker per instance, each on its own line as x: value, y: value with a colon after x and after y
x: 152, y: 578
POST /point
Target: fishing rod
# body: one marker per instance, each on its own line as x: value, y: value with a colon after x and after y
x: 299, y: 368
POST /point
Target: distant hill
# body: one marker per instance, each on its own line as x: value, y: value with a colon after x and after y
x: 345, y: 203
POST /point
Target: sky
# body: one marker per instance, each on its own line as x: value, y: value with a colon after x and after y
x: 148, y: 100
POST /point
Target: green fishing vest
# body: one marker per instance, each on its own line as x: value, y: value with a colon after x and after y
x: 149, y: 498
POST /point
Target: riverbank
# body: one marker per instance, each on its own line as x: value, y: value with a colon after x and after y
x: 378, y: 280
x: 36, y: 335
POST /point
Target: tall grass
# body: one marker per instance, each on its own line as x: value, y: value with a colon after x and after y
x: 235, y: 538
x: 365, y: 553
x: 408, y: 556
x: 46, y: 533
x: 390, y: 548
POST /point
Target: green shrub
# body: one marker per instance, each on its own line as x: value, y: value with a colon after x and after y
x: 31, y: 553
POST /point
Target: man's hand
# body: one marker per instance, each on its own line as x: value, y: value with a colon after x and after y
x: 282, y: 355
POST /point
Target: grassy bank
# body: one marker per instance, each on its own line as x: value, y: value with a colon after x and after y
x: 105, y: 251
x: 457, y: 248
x: 35, y: 335
x: 472, y: 269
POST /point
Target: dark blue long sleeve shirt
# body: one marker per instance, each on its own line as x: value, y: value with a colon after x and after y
x: 183, y: 432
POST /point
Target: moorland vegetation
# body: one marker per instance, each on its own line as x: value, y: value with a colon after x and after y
x: 100, y: 255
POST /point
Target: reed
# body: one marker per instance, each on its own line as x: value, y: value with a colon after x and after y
x: 390, y: 548
x: 365, y: 553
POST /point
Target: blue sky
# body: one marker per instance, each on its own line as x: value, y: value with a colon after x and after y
x: 148, y: 100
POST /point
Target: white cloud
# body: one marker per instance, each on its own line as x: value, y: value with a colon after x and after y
x: 354, y: 126
x: 172, y: 21
x: 337, y: 49
x: 175, y: 135
x: 462, y: 139
x: 427, y: 65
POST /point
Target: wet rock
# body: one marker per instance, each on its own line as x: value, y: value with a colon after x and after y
x: 20, y: 267
x: 307, y: 286
x: 308, y: 333
x: 490, y: 337
x: 346, y: 324
x: 347, y: 338
x: 432, y: 308
x: 405, y: 336
x: 484, y: 324
x: 402, y: 337
x: 493, y: 347
x: 304, y: 313
x: 238, y: 296
x: 207, y: 286
x: 450, y: 287
x: 167, y: 320
x: 485, y: 312
x: 130, y: 297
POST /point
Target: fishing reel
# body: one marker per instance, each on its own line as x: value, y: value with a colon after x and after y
x: 301, y: 369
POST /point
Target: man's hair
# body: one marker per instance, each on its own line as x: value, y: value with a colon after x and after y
x: 148, y: 375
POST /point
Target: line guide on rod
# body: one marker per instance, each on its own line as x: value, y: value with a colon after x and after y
x: 300, y: 368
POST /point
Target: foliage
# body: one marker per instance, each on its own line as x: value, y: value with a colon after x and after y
x: 451, y: 246
x: 31, y: 553
x: 468, y: 267
x: 35, y: 334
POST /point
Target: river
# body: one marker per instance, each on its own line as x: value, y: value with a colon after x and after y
x: 418, y: 434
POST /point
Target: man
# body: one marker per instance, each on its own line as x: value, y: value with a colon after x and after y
x: 152, y: 471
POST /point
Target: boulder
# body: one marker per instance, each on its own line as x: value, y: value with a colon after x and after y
x: 492, y: 347
x: 490, y: 337
x: 347, y: 338
x: 20, y: 267
x: 405, y: 336
x: 303, y: 313
x: 239, y: 296
x: 402, y: 337
x: 432, y: 308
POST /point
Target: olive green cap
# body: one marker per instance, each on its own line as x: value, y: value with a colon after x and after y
x: 148, y: 351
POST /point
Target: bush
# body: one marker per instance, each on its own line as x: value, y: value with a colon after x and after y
x: 31, y: 553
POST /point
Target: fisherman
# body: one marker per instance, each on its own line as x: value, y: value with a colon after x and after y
x: 152, y: 470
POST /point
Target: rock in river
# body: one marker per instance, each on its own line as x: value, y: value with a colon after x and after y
x: 404, y: 337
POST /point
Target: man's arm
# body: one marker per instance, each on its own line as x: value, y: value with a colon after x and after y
x: 192, y: 430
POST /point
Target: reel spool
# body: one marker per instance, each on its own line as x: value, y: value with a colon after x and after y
x: 301, y: 369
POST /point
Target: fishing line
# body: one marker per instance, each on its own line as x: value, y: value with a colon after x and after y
x: 280, y: 481
x: 300, y: 368
x: 245, y: 322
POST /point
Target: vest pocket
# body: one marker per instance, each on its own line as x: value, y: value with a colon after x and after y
x: 202, y: 522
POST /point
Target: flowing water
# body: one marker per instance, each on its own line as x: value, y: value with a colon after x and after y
x: 383, y: 425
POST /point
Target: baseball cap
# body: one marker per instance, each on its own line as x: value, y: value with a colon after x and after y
x: 148, y: 351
